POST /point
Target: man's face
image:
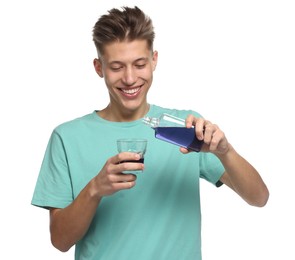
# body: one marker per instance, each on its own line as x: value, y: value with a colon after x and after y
x: 127, y: 68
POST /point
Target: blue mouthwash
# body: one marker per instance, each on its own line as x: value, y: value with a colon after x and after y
x: 172, y: 130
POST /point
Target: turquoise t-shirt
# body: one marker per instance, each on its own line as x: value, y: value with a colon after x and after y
x: 159, y: 218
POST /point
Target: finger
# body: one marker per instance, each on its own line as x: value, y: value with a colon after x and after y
x: 111, y: 183
x: 130, y: 166
x: 183, y: 150
x: 213, y: 137
x: 126, y: 156
x: 209, y: 130
x: 128, y: 177
x: 123, y: 177
x: 189, y: 121
x: 198, y: 123
x: 219, y: 142
x: 129, y: 161
x: 214, y: 142
x: 123, y: 185
x: 114, y: 164
x: 199, y: 128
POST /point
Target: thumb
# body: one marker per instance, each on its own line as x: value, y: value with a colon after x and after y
x: 184, y: 150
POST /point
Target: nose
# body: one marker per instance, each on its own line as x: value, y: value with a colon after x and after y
x: 129, y: 77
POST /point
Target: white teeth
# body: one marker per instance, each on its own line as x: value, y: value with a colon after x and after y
x: 130, y: 91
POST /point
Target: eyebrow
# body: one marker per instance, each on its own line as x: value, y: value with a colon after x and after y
x: 120, y: 62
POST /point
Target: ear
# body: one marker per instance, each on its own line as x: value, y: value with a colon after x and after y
x: 155, y: 59
x: 98, y: 67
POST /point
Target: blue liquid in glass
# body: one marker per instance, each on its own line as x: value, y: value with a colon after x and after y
x: 181, y: 136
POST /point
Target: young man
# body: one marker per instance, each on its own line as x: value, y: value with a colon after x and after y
x: 156, y: 215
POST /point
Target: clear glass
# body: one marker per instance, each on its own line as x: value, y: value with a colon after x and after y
x: 133, y: 145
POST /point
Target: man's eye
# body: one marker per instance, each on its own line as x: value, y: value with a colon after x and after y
x: 140, y: 66
x: 116, y: 68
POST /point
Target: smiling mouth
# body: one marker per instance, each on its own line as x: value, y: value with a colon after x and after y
x: 132, y: 91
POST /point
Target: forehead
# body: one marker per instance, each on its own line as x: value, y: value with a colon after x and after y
x: 126, y: 51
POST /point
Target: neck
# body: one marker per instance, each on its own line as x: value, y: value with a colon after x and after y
x: 116, y: 115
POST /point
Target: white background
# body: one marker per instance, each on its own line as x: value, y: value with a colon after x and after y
x: 233, y: 61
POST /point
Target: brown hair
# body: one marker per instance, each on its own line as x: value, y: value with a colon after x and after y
x: 119, y: 25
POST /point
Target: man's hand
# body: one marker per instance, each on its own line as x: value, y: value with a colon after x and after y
x: 214, y: 139
x: 111, y: 179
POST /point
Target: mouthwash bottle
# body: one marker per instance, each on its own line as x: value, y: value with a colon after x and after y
x: 172, y: 129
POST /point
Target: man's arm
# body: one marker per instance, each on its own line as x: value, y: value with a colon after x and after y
x: 242, y: 177
x: 69, y: 225
x: 239, y: 174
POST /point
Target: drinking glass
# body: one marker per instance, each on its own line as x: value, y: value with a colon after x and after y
x: 133, y: 145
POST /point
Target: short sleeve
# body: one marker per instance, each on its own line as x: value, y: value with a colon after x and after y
x: 53, y: 187
x: 211, y: 168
